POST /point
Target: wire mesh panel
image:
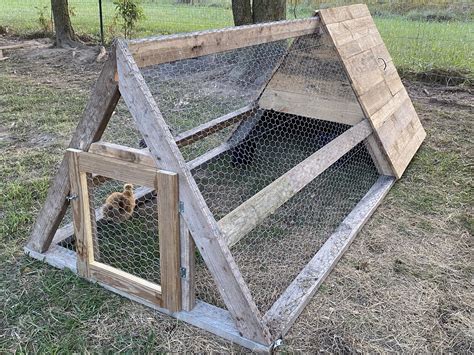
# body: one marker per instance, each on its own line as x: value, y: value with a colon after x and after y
x: 289, y: 99
x: 125, y: 225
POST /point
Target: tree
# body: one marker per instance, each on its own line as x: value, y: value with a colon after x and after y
x: 65, y: 36
x: 246, y: 12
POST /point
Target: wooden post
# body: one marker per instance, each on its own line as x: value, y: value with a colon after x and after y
x: 79, y: 196
x: 168, y: 225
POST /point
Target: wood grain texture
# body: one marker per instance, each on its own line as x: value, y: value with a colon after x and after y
x: 188, y: 263
x: 177, y: 47
x: 170, y: 252
x: 131, y: 155
x: 213, y: 126
x: 252, y: 212
x: 291, y: 303
x: 56, y: 256
x: 302, y: 104
x: 117, y: 169
x: 101, y: 104
x: 197, y: 215
x: 80, y: 214
x: 377, y: 85
x: 126, y: 282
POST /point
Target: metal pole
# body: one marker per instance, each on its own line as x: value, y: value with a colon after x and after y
x: 101, y: 23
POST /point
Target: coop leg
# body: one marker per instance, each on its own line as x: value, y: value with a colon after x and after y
x: 99, y: 109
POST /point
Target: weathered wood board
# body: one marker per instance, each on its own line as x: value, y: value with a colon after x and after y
x: 376, y: 83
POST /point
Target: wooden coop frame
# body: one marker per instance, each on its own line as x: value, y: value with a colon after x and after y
x: 386, y: 120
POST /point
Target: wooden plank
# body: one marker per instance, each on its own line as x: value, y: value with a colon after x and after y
x: 126, y: 282
x: 80, y: 214
x: 303, y: 104
x: 204, y: 316
x: 131, y: 155
x: 364, y: 71
x: 56, y: 256
x: 197, y: 215
x: 378, y: 156
x: 252, y: 212
x: 213, y: 126
x: 168, y: 225
x: 141, y: 194
x: 392, y: 79
x: 378, y: 89
x: 102, y: 102
x: 291, y: 303
x: 375, y: 98
x: 117, y: 169
x: 208, y: 156
x: 177, y: 47
x: 403, y: 156
x: 188, y: 265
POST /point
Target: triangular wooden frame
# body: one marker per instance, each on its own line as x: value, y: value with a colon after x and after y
x: 390, y: 128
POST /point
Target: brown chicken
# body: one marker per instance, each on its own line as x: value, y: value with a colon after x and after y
x: 119, y: 206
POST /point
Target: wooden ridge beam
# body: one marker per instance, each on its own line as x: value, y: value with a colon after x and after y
x: 291, y: 303
x: 252, y: 212
x: 166, y: 49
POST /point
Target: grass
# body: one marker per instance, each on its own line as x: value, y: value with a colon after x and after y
x: 416, y: 44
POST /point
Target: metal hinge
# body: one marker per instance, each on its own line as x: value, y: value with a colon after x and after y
x: 182, y: 272
x: 72, y: 197
x: 278, y: 343
x: 181, y: 207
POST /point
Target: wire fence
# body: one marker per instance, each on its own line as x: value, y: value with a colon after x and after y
x: 434, y: 39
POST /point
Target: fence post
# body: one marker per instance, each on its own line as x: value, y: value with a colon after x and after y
x: 101, y: 23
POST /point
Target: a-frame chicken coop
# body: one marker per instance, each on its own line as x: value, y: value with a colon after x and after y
x: 257, y: 154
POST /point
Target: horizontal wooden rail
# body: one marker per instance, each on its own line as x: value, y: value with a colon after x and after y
x: 131, y: 155
x: 252, y: 212
x: 212, y: 126
x: 126, y: 282
x: 117, y: 169
x: 291, y: 303
x: 177, y: 47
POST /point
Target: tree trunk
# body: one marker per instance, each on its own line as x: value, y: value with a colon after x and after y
x: 65, y: 36
x: 268, y: 10
x: 242, y: 11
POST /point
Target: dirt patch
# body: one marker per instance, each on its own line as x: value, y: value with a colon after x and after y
x: 44, y: 64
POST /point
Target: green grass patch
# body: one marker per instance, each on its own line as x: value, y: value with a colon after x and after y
x: 419, y: 40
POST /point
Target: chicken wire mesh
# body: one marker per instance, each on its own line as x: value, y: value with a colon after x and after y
x: 233, y: 164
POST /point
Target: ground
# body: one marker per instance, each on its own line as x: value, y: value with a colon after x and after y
x: 404, y: 285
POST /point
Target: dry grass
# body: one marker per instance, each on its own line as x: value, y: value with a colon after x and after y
x: 405, y: 285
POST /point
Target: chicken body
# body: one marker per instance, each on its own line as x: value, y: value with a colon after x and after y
x: 119, y: 206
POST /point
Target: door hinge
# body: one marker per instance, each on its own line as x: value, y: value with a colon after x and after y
x: 182, y: 272
x: 72, y: 197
